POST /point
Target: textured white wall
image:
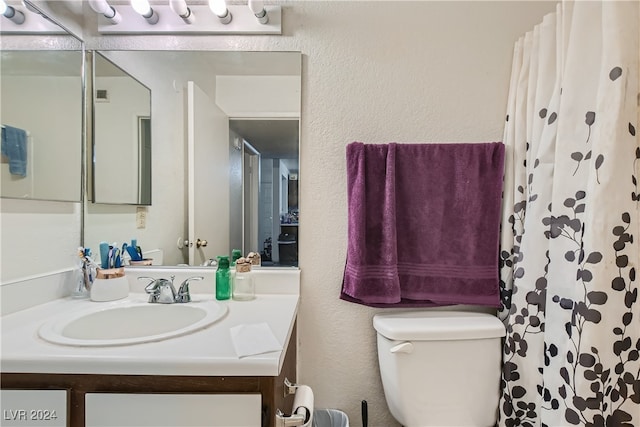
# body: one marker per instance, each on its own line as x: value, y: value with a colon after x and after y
x: 380, y: 72
x: 374, y: 72
x: 38, y: 238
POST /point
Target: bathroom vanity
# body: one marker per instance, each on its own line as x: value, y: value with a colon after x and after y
x: 187, y: 378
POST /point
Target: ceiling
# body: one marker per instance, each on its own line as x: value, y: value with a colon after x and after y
x: 273, y: 138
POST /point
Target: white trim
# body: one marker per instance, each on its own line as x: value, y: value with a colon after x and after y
x: 36, y: 276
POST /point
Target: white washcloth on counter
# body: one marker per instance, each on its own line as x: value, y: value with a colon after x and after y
x: 254, y: 338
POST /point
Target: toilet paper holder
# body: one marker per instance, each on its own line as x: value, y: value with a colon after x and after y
x: 301, y: 415
x: 292, y: 420
x: 289, y: 387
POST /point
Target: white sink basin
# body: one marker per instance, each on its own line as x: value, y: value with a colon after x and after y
x: 130, y: 322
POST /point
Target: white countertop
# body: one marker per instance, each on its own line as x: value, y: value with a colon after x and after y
x: 208, y: 351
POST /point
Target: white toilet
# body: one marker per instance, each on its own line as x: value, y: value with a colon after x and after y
x: 440, y: 368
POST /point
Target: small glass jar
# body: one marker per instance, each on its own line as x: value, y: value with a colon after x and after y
x: 243, y: 285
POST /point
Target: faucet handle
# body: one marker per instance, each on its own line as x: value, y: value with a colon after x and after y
x: 150, y: 279
x: 152, y: 288
x: 183, y: 293
x: 160, y: 290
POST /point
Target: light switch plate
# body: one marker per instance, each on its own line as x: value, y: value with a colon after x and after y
x: 141, y: 217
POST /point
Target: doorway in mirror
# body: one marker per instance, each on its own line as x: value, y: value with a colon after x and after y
x: 269, y: 191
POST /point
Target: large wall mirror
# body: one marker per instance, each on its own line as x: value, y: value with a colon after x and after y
x: 42, y: 119
x: 225, y: 138
x: 120, y: 163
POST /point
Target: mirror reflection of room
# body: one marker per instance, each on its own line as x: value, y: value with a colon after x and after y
x: 270, y: 170
x: 31, y: 136
x: 121, y: 149
x: 236, y: 117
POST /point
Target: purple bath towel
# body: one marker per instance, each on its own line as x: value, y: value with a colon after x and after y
x: 423, y: 224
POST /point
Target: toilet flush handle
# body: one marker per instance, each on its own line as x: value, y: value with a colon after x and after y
x: 405, y: 347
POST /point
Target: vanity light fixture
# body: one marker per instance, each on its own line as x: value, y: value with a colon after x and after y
x: 257, y: 7
x: 106, y: 10
x: 11, y: 13
x: 180, y: 7
x: 181, y: 17
x: 219, y: 8
x: 144, y: 8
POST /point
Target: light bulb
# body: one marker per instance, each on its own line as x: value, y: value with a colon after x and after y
x: 142, y: 7
x: 219, y: 8
x: 10, y: 13
x: 105, y: 9
x: 182, y: 10
x: 257, y: 7
x: 179, y: 7
x: 100, y: 6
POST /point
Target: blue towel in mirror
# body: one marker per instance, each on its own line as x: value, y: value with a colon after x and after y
x: 14, y: 147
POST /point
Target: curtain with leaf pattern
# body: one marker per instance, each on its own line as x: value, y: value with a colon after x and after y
x: 570, y: 244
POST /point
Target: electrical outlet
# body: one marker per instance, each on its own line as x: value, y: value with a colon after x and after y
x: 141, y: 217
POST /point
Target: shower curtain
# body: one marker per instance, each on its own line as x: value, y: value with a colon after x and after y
x: 570, y: 243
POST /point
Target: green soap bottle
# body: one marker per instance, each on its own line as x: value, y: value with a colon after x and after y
x: 223, y: 279
x: 235, y: 255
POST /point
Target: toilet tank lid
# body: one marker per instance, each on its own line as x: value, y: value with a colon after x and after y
x: 438, y: 325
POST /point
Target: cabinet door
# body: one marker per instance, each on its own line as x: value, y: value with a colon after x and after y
x: 34, y: 408
x: 172, y: 410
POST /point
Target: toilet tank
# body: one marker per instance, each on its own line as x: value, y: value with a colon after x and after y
x: 440, y: 368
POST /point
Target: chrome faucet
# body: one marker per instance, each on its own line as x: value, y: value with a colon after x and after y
x: 162, y: 291
x: 183, y: 292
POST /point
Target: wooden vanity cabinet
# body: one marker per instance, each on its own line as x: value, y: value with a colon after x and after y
x: 271, y: 389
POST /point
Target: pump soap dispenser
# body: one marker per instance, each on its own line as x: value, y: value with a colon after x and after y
x: 223, y: 279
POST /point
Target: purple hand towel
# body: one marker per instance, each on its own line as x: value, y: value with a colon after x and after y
x: 424, y: 224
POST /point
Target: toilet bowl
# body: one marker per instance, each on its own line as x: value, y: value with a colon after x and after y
x: 440, y: 368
